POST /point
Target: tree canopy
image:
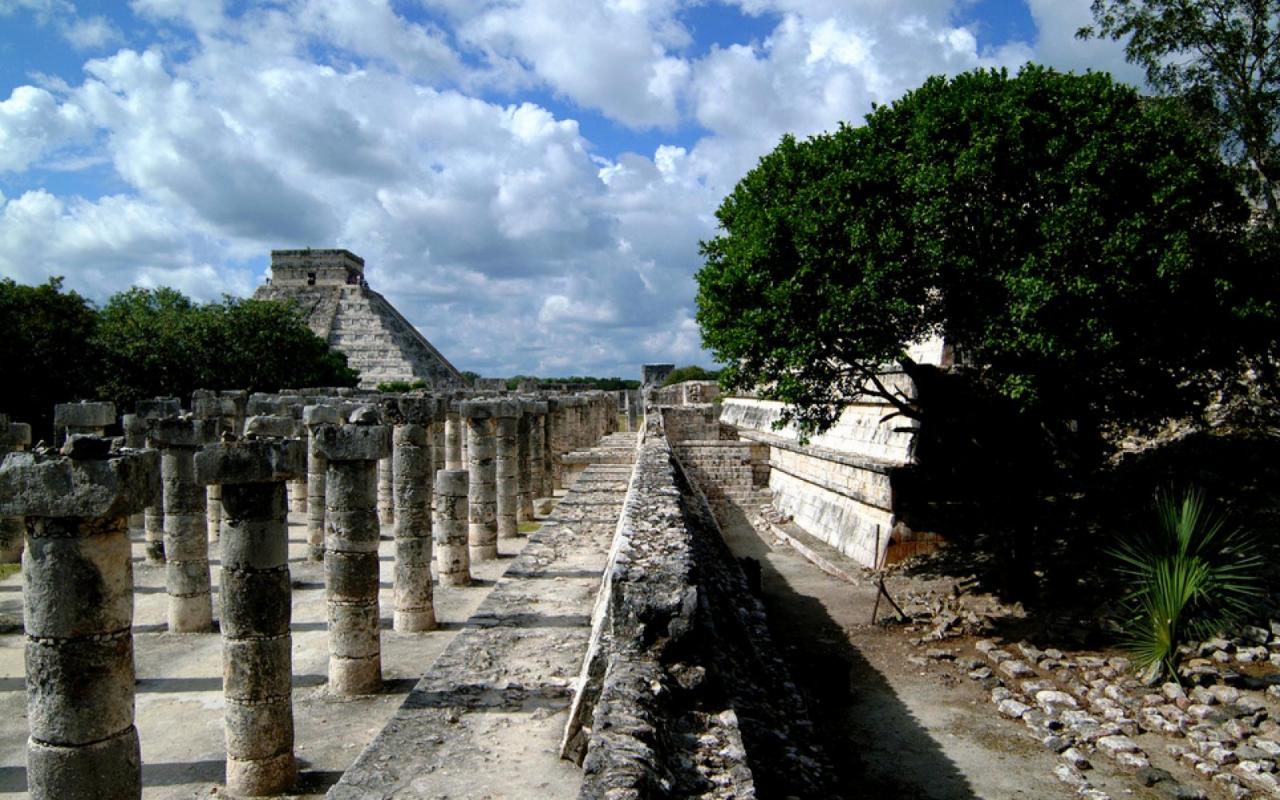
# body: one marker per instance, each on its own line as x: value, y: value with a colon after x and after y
x: 1081, y: 247
x: 691, y: 372
x: 45, y: 351
x: 157, y: 341
x: 57, y: 347
x: 1222, y: 58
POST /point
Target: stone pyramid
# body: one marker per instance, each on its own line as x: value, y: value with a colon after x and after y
x: 330, y: 289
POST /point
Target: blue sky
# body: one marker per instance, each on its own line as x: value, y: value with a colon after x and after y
x: 528, y: 180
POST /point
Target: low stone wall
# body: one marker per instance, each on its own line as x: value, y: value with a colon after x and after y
x: 682, y: 691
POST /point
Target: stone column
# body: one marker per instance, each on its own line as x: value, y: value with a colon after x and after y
x: 78, y: 612
x: 412, y: 475
x: 153, y: 516
x: 85, y: 418
x: 227, y: 410
x: 437, y: 437
x: 555, y: 435
x: 312, y: 417
x: 453, y: 560
x: 135, y: 438
x: 524, y: 466
x: 482, y: 492
x: 453, y: 438
x: 507, y: 465
x: 12, y: 529
x: 186, y: 543
x: 257, y: 659
x: 539, y: 486
x: 386, y: 495
x: 351, y: 549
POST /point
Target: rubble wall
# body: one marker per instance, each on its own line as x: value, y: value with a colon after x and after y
x: 683, y: 692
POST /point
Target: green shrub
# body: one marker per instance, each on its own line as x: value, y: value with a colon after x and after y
x: 1190, y: 577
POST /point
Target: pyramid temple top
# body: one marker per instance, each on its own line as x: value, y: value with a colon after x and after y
x: 316, y: 268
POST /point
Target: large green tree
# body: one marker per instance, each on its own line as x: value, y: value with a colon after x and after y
x: 1082, y: 248
x: 158, y: 342
x: 45, y: 355
x: 1222, y: 58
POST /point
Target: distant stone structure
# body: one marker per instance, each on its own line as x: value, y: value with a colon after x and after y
x: 330, y: 288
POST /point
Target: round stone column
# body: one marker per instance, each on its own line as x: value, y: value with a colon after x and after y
x: 507, y: 465
x: 536, y: 411
x: 555, y: 441
x: 453, y: 427
x: 186, y: 542
x: 77, y: 586
x: 12, y: 529
x: 153, y: 515
x: 453, y: 560
x: 482, y: 491
x: 386, y: 495
x: 351, y: 550
x: 257, y: 660
x: 313, y: 416
x: 411, y: 481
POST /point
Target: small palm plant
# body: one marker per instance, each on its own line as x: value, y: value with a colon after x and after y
x: 1191, y: 577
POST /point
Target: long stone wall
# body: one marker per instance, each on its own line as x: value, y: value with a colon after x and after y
x: 682, y: 692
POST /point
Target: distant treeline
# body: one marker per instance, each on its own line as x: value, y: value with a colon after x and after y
x: 56, y: 346
x: 602, y: 384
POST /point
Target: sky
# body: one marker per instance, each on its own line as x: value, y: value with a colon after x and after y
x: 527, y: 180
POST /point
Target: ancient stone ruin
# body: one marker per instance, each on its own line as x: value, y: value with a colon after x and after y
x: 330, y: 289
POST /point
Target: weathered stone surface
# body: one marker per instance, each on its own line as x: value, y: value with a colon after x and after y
x: 38, y: 485
x: 273, y: 426
x: 353, y: 442
x: 251, y: 461
x: 85, y: 415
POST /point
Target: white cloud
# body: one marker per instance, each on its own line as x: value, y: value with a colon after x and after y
x: 33, y: 125
x: 493, y: 223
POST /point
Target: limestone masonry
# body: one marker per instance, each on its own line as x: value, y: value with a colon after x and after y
x: 330, y: 289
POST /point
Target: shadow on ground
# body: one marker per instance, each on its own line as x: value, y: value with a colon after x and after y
x: 851, y: 703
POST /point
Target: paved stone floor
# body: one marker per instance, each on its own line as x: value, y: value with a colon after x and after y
x: 179, y: 688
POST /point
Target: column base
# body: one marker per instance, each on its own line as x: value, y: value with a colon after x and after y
x: 484, y: 552
x: 454, y: 579
x: 155, y: 552
x: 261, y: 777
x: 352, y: 676
x: 191, y: 614
x: 106, y: 770
x: 415, y: 621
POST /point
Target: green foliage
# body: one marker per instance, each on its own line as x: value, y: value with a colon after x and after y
x: 602, y: 384
x: 471, y: 377
x: 1191, y: 577
x: 158, y: 342
x: 401, y: 386
x: 1222, y: 58
x: 45, y: 354
x: 690, y: 373
x: 1080, y: 246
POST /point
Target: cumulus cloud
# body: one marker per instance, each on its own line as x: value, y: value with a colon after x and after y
x: 510, y: 238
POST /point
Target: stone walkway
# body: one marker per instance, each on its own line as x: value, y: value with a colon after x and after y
x: 486, y: 719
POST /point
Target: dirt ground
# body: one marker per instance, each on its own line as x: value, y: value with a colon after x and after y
x: 894, y: 728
